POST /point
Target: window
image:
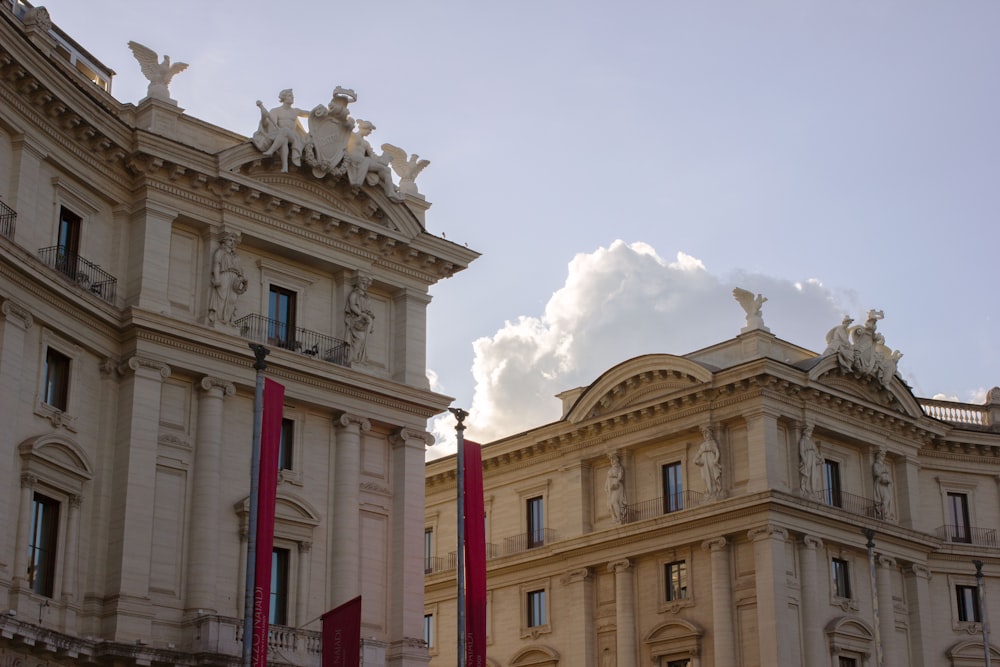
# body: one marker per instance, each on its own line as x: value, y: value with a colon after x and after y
x: 42, y: 545
x: 429, y: 630
x: 958, y: 518
x: 678, y: 663
x: 677, y: 580
x: 68, y: 241
x: 428, y: 550
x: 841, y: 578
x: 967, y: 598
x: 56, y: 389
x: 847, y: 662
x: 285, y: 444
x: 831, y: 483
x: 281, y: 313
x: 536, y: 521
x: 536, y: 609
x: 673, y: 488
x: 279, y: 587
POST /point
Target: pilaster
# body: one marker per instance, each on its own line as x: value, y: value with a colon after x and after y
x: 884, y: 568
x: 409, y: 337
x: 579, y: 592
x: 626, y: 639
x: 773, y: 619
x: 723, y: 625
x: 766, y: 451
x: 148, y: 261
x: 345, y: 536
x: 812, y: 601
x: 916, y: 578
x: 15, y: 323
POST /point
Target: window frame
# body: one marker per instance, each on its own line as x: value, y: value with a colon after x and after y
x: 536, y: 606
x: 539, y: 589
x: 282, y: 318
x: 55, y: 386
x: 673, y: 498
x: 680, y: 593
x: 959, y: 527
x: 58, y: 417
x: 280, y: 594
x: 840, y: 578
x: 534, y: 518
x: 45, y: 519
x: 961, y: 602
x: 833, y: 483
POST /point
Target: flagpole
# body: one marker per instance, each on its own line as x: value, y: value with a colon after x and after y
x: 259, y: 352
x: 460, y: 415
x: 982, y: 610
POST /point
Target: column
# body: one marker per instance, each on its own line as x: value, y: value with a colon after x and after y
x: 205, y: 500
x: 884, y: 567
x: 767, y: 451
x: 406, y: 580
x: 723, y: 629
x: 916, y: 578
x: 580, y: 597
x: 15, y: 323
x: 625, y: 612
x: 130, y: 520
x: 773, y: 622
x: 813, y: 641
x: 345, y: 561
x: 302, y: 585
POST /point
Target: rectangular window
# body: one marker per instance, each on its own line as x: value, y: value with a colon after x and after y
x: 847, y: 662
x: 42, y: 546
x: 429, y: 630
x: 281, y: 313
x: 958, y: 518
x: 56, y: 390
x: 536, y: 608
x: 68, y: 242
x: 536, y: 521
x: 967, y: 598
x: 832, y: 493
x: 677, y: 580
x: 285, y: 443
x: 841, y: 578
x: 428, y: 550
x: 279, y: 587
x: 679, y: 663
x: 673, y: 488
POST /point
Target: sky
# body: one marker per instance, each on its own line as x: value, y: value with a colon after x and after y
x: 623, y: 166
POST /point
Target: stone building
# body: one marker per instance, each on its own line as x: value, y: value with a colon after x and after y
x: 141, y: 251
x: 707, y: 510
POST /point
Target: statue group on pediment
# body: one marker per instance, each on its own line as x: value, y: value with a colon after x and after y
x: 862, y: 350
x: 335, y: 144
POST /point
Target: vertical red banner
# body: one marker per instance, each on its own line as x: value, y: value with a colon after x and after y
x: 475, y: 557
x: 342, y: 635
x: 267, y: 486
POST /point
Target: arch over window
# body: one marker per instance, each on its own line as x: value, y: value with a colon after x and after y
x: 969, y: 653
x: 850, y: 637
x: 535, y: 656
x: 676, y: 638
x: 56, y: 460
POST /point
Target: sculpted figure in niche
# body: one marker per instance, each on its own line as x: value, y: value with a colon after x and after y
x: 280, y: 130
x: 359, y: 320
x: 362, y: 161
x: 614, y: 487
x: 708, y: 459
x: 810, y: 464
x: 883, y: 486
x: 228, y: 281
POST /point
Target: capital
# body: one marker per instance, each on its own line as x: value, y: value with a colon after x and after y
x: 413, y: 438
x: 28, y: 480
x: 620, y: 566
x: 209, y: 383
x: 136, y: 363
x: 16, y: 313
x: 770, y: 531
x: 348, y: 420
x: 812, y: 542
x: 576, y: 576
x: 715, y: 544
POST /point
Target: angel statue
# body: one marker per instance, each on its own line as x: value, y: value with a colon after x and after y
x: 158, y: 73
x: 407, y: 170
x: 752, y: 305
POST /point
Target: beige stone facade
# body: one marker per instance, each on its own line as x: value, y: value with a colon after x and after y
x: 141, y: 251
x: 769, y: 567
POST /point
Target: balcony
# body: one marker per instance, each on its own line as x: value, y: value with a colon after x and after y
x: 969, y: 535
x: 85, y: 274
x: 7, y: 218
x: 849, y: 503
x: 275, y: 333
x: 654, y: 507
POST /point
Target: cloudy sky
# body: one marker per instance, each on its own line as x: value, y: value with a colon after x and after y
x: 622, y: 166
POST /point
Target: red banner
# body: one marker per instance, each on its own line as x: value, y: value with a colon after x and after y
x: 267, y: 486
x: 342, y: 635
x: 475, y: 557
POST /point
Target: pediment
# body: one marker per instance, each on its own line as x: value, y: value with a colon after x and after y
x: 893, y: 395
x: 57, y: 453
x: 535, y: 656
x: 636, y: 381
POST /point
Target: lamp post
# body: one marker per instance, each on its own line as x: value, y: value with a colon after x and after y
x: 982, y: 609
x: 460, y: 415
x: 870, y: 535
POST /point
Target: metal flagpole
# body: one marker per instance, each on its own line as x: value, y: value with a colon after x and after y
x: 259, y: 352
x: 982, y: 609
x: 870, y: 534
x: 460, y: 415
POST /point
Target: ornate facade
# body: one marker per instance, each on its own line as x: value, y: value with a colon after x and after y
x: 141, y: 251
x: 707, y: 510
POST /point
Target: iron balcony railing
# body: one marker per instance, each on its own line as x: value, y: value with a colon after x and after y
x: 980, y: 537
x: 7, y: 218
x: 673, y: 502
x: 276, y: 333
x: 86, y: 274
x: 522, y: 542
x: 849, y: 502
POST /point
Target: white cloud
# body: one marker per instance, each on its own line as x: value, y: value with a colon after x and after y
x: 617, y: 303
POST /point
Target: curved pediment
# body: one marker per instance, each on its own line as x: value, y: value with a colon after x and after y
x: 635, y: 381
x: 674, y: 630
x: 894, y: 395
x: 535, y: 656
x: 58, y: 453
